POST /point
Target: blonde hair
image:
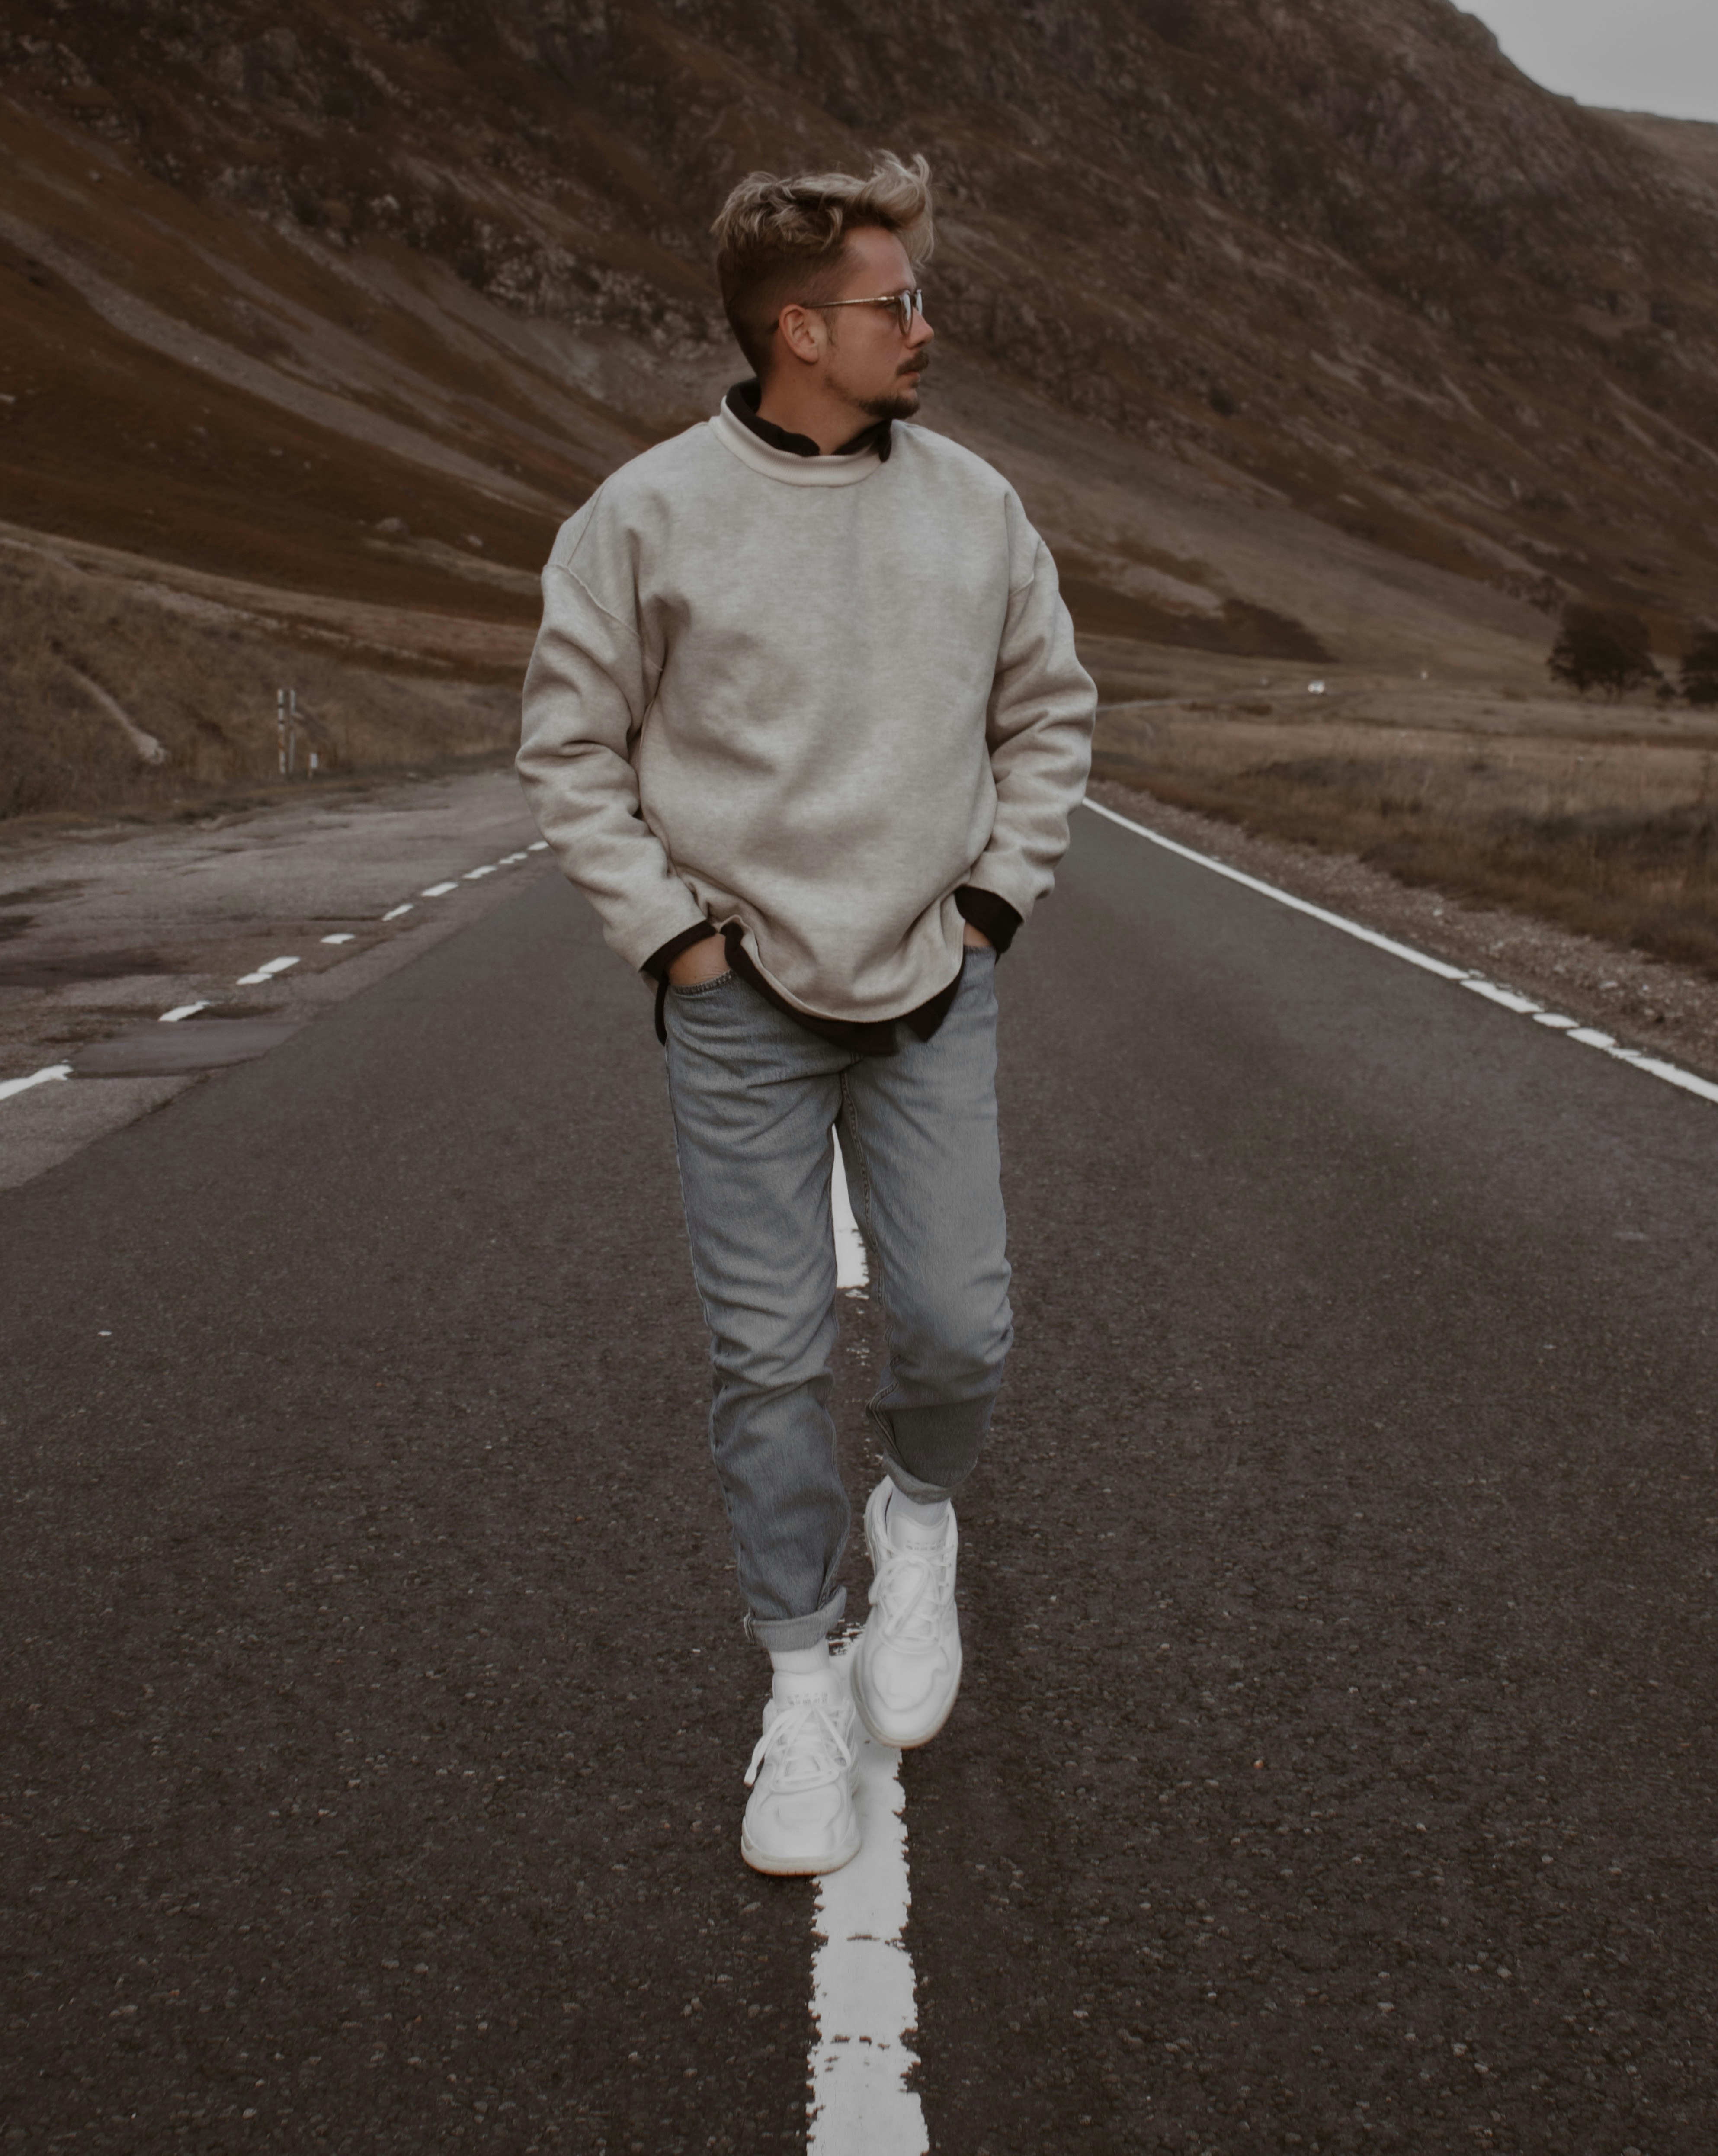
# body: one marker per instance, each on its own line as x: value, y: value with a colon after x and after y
x: 779, y: 240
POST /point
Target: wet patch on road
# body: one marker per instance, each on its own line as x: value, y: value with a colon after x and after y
x: 64, y: 970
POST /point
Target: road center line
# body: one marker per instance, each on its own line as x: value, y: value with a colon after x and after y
x: 862, y: 1973
x: 851, y: 1269
x: 1507, y: 999
x: 863, y: 1984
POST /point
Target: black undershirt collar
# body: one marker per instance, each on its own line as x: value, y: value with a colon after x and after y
x: 743, y: 399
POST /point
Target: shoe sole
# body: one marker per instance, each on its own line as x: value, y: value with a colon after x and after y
x: 795, y: 1868
x: 881, y: 1735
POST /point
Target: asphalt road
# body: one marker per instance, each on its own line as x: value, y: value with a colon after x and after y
x: 1336, y: 1766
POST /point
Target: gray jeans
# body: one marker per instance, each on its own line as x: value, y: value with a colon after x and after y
x: 755, y: 1100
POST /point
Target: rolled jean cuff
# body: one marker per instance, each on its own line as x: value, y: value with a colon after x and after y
x: 914, y: 1487
x: 949, y: 1438
x: 783, y: 1635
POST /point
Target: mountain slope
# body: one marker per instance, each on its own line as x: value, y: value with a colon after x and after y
x: 1306, y: 328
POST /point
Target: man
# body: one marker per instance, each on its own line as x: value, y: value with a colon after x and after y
x: 805, y: 724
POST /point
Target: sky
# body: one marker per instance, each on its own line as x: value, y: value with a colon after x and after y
x: 1635, y: 55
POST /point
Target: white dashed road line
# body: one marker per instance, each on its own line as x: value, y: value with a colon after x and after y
x: 36, y: 1078
x: 265, y: 973
x: 863, y: 1985
x: 1525, y: 1005
x: 274, y: 966
x: 344, y: 936
x: 1508, y: 999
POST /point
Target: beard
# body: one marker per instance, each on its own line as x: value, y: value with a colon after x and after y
x: 902, y: 401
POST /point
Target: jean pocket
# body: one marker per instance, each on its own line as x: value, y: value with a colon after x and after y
x: 693, y: 989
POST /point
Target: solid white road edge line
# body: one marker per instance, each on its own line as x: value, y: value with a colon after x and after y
x: 1508, y: 999
x: 36, y: 1078
x: 863, y: 1986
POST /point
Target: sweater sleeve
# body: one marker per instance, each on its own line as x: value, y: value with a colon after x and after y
x: 1043, y: 708
x: 586, y: 692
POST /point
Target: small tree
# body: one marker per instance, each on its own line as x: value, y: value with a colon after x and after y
x: 1603, y: 648
x: 1700, y: 668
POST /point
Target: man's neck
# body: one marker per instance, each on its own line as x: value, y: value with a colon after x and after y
x: 812, y: 410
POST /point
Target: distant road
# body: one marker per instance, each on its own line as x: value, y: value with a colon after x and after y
x: 1336, y: 1763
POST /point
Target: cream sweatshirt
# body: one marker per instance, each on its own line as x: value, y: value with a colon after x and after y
x: 813, y: 696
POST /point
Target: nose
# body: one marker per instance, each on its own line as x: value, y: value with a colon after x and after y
x: 920, y: 333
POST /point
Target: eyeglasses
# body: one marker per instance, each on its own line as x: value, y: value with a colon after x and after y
x: 905, y: 306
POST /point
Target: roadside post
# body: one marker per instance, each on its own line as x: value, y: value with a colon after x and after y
x: 286, y: 731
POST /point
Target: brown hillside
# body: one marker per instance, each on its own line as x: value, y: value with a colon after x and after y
x: 1312, y: 333
x: 1691, y: 144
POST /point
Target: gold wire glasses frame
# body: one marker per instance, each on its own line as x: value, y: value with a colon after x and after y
x: 905, y: 305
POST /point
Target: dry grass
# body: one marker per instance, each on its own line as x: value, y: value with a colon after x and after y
x: 1613, y: 838
x: 204, y: 690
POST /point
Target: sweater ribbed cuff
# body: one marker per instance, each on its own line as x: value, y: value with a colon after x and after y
x: 991, y: 916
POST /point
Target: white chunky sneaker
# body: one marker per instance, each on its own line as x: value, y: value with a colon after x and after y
x: 800, y: 1817
x: 906, y: 1668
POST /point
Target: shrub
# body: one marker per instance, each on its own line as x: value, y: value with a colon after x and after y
x: 1700, y: 668
x: 1603, y: 648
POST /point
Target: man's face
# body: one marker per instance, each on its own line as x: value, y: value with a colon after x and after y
x: 866, y: 359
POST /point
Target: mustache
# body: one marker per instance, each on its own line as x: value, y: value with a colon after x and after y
x: 917, y: 366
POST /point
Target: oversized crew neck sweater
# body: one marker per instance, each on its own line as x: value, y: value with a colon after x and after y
x: 809, y: 697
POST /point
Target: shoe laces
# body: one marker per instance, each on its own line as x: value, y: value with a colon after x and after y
x: 912, y: 1589
x: 805, y: 1744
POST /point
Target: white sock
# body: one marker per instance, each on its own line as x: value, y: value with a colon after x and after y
x: 797, y: 1668
x: 916, y: 1524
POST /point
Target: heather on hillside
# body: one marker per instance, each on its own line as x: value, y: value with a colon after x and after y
x: 1609, y: 837
x: 88, y: 682
x: 1342, y: 247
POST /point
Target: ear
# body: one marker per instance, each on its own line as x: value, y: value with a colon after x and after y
x: 804, y: 333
